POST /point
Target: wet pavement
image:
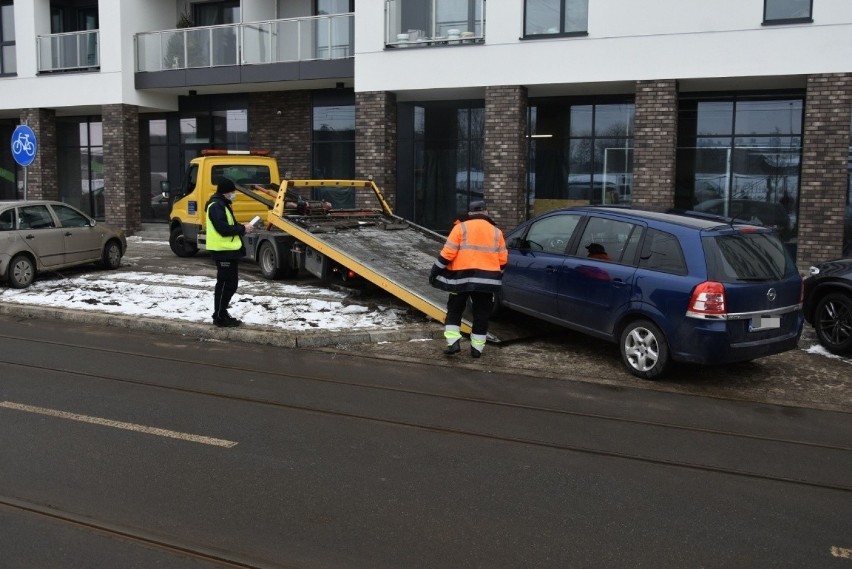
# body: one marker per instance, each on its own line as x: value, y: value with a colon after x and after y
x: 806, y: 377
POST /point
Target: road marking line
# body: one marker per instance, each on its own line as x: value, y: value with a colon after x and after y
x: 119, y: 425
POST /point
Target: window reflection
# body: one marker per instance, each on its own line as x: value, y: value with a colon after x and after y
x: 775, y: 10
x: 580, y: 154
x: 741, y: 158
x: 448, y: 161
x: 80, y: 164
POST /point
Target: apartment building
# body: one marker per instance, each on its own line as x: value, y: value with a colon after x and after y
x: 732, y: 106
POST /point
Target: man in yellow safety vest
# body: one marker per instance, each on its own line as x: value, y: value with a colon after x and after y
x: 224, y: 241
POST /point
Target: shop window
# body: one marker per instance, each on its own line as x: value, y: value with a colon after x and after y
x: 580, y: 153
x: 555, y: 17
x: 81, y: 164
x: 787, y: 11
x: 740, y: 157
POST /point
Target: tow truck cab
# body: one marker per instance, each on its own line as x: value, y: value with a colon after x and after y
x: 244, y: 168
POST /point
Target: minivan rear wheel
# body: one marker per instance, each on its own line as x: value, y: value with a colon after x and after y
x: 644, y: 349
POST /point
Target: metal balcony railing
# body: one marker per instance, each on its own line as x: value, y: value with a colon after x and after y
x: 273, y: 41
x: 69, y: 51
x: 443, y: 22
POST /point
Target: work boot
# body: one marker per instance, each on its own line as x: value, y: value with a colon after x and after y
x: 226, y: 322
x: 474, y: 353
x: 453, y: 348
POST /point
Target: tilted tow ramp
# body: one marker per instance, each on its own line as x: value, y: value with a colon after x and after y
x: 349, y: 222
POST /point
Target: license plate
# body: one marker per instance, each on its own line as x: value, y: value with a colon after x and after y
x: 764, y: 323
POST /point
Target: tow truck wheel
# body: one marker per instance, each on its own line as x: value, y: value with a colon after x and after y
x: 180, y: 246
x: 268, y: 262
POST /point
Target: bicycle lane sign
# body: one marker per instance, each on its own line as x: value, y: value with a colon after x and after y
x: 24, y: 145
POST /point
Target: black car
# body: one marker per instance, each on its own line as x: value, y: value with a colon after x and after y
x: 828, y: 304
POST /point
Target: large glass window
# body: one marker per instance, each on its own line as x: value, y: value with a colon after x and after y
x: 8, y: 60
x: 740, y: 156
x: 154, y: 163
x: 81, y: 164
x: 580, y: 153
x: 787, y: 11
x: 434, y: 22
x: 551, y: 17
x: 447, y: 161
x: 333, y: 144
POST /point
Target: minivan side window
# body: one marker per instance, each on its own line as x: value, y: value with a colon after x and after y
x: 661, y: 251
x: 551, y: 234
x: 605, y: 239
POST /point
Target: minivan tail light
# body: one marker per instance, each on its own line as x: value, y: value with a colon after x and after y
x: 708, y: 301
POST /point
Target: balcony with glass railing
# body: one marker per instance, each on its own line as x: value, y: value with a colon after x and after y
x: 427, y: 23
x: 69, y: 51
x: 255, y: 43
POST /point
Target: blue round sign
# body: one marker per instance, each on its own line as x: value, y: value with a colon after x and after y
x: 24, y: 145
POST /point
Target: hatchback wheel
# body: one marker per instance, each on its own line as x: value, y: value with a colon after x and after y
x: 111, y: 258
x: 644, y: 349
x: 21, y: 272
x: 833, y: 323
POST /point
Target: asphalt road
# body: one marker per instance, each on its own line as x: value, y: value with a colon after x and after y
x: 123, y: 448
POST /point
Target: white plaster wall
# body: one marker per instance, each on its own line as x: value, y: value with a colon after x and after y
x: 76, y: 93
x: 628, y: 40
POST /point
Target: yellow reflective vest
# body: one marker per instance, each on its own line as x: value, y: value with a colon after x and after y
x: 218, y: 242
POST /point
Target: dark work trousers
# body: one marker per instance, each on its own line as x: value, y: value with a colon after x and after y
x: 483, y: 303
x: 227, y: 279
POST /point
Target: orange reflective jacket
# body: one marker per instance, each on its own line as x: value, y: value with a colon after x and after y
x: 473, y: 257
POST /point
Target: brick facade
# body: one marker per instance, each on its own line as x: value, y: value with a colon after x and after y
x: 375, y: 140
x: 286, y: 135
x: 42, y: 183
x: 825, y: 162
x: 121, y: 167
x: 505, y: 154
x: 655, y: 144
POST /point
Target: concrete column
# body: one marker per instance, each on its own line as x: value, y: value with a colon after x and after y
x: 825, y: 163
x: 506, y: 154
x: 121, y: 167
x: 655, y: 144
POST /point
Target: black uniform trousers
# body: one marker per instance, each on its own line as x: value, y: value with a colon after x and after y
x: 483, y: 304
x: 227, y: 280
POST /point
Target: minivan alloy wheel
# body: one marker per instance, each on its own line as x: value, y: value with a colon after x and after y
x: 644, y: 349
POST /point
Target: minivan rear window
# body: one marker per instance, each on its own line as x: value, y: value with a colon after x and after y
x: 746, y: 257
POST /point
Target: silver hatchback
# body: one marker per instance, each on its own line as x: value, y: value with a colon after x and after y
x: 39, y: 235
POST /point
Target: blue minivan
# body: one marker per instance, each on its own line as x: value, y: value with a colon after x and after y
x: 664, y: 286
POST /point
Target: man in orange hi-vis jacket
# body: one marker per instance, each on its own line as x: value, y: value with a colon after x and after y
x: 470, y: 266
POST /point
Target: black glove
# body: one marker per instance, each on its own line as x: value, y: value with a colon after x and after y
x: 433, y: 274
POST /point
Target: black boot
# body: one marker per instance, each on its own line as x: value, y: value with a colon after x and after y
x: 474, y: 353
x: 453, y: 348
